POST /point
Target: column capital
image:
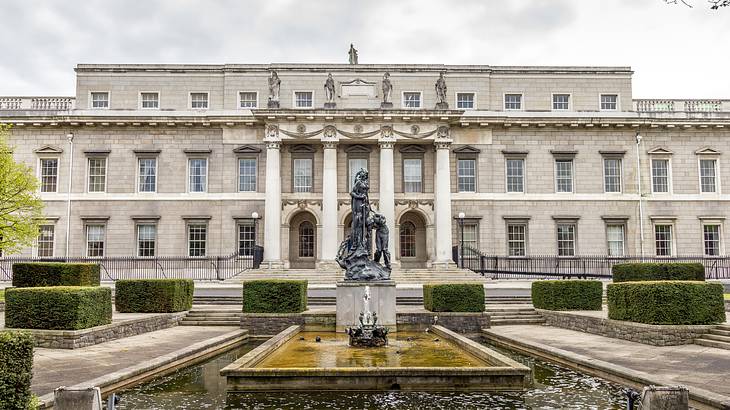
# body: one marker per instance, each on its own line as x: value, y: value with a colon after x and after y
x: 386, y: 143
x: 329, y: 144
x: 271, y: 144
x: 442, y: 143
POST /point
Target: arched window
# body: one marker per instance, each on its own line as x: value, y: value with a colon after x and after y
x: 306, y: 240
x: 407, y: 240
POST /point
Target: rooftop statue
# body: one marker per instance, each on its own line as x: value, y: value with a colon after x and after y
x: 329, y: 89
x: 387, y: 88
x: 274, y: 87
x: 352, y: 54
x: 441, y: 99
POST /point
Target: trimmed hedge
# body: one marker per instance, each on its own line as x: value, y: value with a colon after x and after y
x: 567, y: 294
x: 40, y: 274
x: 153, y: 295
x: 667, y: 302
x: 58, y: 308
x: 275, y: 296
x: 634, y: 272
x: 453, y: 297
x: 16, y: 365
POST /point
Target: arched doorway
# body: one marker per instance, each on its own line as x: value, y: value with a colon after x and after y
x: 303, y: 241
x: 412, y: 241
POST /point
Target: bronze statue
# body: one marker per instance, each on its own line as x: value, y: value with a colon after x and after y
x: 381, y: 240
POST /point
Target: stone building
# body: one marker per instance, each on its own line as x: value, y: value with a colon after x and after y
x: 165, y: 160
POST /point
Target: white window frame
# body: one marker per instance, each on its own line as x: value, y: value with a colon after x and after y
x: 403, y: 99
x: 108, y: 96
x: 36, y: 248
x: 140, y: 101
x: 138, y: 175
x: 136, y: 238
x: 572, y: 174
x: 669, y: 174
x: 525, y: 240
x: 207, y: 100
x: 574, y: 224
x: 522, y: 101
x: 88, y: 174
x: 238, y: 99
x: 623, y: 239
x: 701, y: 158
x: 187, y: 238
x: 618, y: 102
x: 39, y: 174
x: 620, y: 174
x: 570, y: 102
x: 720, y: 242
x: 246, y: 223
x: 673, y: 238
x: 86, y: 239
x: 255, y: 173
x: 459, y: 176
x: 207, y: 172
x: 524, y: 175
x: 294, y: 99
x: 456, y: 100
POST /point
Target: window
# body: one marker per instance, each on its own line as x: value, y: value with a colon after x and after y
x: 150, y: 100
x: 45, y: 241
x: 246, y: 238
x: 248, y: 99
x: 49, y: 174
x: 147, y: 174
x: 471, y: 235
x: 663, y: 240
x: 302, y: 175
x: 561, y: 102
x: 407, y: 240
x: 513, y: 101
x: 465, y: 101
x: 708, y: 172
x: 99, y: 100
x: 146, y: 238
x: 412, y: 178
x: 660, y: 175
x: 515, y: 175
x: 306, y: 240
x: 303, y: 99
x: 197, y: 239
x: 97, y: 174
x: 467, y: 177
x: 95, y: 235
x: 566, y: 239
x: 516, y: 239
x: 411, y: 99
x: 612, y: 175
x: 355, y: 165
x: 615, y: 238
x: 609, y: 102
x: 711, y: 234
x: 199, y: 100
x: 246, y: 175
x: 564, y: 175
x: 198, y: 169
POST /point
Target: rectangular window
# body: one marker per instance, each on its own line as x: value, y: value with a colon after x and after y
x: 303, y: 99
x: 663, y: 240
x: 412, y: 178
x: 303, y: 175
x: 516, y: 239
x: 566, y: 239
x: 146, y: 238
x: 150, y: 100
x: 354, y: 165
x: 95, y: 236
x: 660, y: 175
x: 97, y: 174
x: 99, y: 100
x: 515, y: 175
x: 247, y: 175
x: 708, y: 172
x: 711, y: 234
x: 609, y: 102
x: 199, y: 100
x: 246, y: 239
x: 612, y: 175
x: 471, y: 237
x: 465, y: 101
x: 197, y: 240
x: 561, y: 102
x: 513, y: 101
x: 615, y: 238
x: 467, y: 175
x: 411, y: 99
x: 248, y: 99
x: 147, y: 174
x: 198, y: 169
x: 49, y: 174
x: 46, y: 241
x: 564, y: 175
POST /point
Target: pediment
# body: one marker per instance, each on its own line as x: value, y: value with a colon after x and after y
x: 466, y: 149
x: 707, y: 151
x: 412, y: 149
x: 660, y: 151
x: 357, y: 149
x: 247, y: 149
x: 49, y: 149
x: 302, y: 148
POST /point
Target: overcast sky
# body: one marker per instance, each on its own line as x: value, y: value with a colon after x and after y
x: 675, y: 51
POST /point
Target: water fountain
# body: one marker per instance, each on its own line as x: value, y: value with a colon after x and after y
x: 368, y: 333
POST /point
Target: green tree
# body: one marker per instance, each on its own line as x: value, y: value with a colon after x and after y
x: 20, y: 207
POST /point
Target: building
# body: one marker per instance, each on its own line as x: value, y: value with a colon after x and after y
x: 179, y: 159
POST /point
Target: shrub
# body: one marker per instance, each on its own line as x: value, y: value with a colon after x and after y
x: 667, y: 302
x: 39, y: 274
x: 453, y: 297
x: 59, y: 307
x: 16, y: 363
x: 153, y: 295
x: 633, y: 272
x: 275, y: 296
x: 567, y: 294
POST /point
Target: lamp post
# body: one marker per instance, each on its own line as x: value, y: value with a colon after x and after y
x: 255, y: 217
x: 461, y: 244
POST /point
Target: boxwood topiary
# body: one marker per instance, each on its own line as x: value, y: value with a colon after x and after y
x: 274, y: 296
x: 39, y: 274
x: 16, y: 363
x: 631, y: 272
x: 59, y: 307
x: 153, y: 295
x: 667, y: 302
x: 453, y: 297
x: 567, y: 294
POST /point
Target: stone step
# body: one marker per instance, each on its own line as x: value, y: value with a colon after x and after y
x: 523, y: 316
x: 235, y: 323
x: 712, y: 343
x: 230, y: 316
x: 723, y: 327
x: 502, y: 310
x: 720, y: 332
x: 716, y: 338
x: 527, y: 321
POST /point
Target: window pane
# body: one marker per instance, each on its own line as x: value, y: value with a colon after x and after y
x: 615, y: 237
x: 412, y: 181
x: 303, y: 175
x: 564, y: 175
x: 306, y: 240
x: 471, y: 239
x: 97, y: 174
x: 466, y: 169
x: 198, y: 174
x: 561, y: 101
x: 99, y: 100
x: 711, y: 239
x: 609, y: 101
x: 49, y: 175
x: 146, y: 237
x: 515, y: 175
x: 355, y: 165
x: 412, y: 100
x: 663, y: 240
x: 199, y: 100
x: 303, y: 99
x: 612, y: 175
x: 247, y: 175
x: 197, y: 239
x: 516, y: 239
x: 248, y: 100
x: 707, y: 175
x: 147, y: 175
x: 407, y: 239
x: 150, y: 100
x: 45, y: 241
x: 465, y: 100
x: 95, y: 240
x: 246, y: 239
x: 660, y: 175
x: 513, y: 101
x: 566, y: 239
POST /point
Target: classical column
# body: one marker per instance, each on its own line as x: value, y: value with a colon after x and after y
x: 272, y: 204
x: 329, y: 204
x: 387, y: 181
x: 442, y: 198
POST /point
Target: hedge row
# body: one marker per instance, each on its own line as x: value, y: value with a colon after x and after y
x: 453, y: 297
x: 59, y: 307
x: 40, y: 274
x: 567, y: 294
x: 16, y: 365
x: 275, y: 296
x: 667, y: 302
x: 632, y: 272
x: 153, y: 295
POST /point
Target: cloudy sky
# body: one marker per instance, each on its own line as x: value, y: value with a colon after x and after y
x: 675, y: 51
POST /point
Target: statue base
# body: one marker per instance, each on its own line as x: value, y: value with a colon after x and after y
x: 442, y: 106
x: 386, y: 105
x: 272, y: 104
x: 330, y: 105
x: 350, y: 303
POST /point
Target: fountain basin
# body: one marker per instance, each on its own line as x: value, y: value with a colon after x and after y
x: 439, y: 360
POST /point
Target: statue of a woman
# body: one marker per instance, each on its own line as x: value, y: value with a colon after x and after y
x: 360, y: 209
x: 329, y: 89
x: 274, y: 87
x: 441, y: 90
x: 387, y: 88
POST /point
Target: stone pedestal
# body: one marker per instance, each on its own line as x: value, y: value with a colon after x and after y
x: 386, y: 105
x: 350, y: 303
x: 330, y: 105
x: 272, y: 104
x: 442, y: 106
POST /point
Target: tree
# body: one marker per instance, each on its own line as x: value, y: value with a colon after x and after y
x: 714, y: 4
x: 21, y: 209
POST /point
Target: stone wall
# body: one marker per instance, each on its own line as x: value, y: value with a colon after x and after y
x: 268, y: 324
x: 456, y: 321
x: 656, y: 335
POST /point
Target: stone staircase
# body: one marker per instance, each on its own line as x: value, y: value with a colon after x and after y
x: 213, y: 317
x: 330, y: 277
x: 718, y: 337
x: 502, y: 315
